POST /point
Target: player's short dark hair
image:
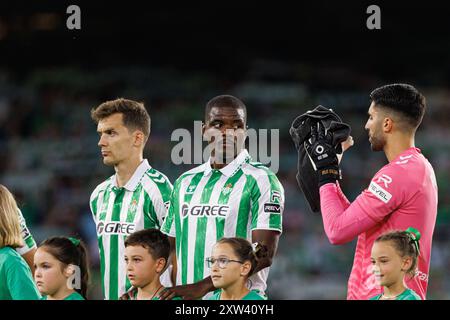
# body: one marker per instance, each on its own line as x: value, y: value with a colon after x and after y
x: 402, y: 98
x: 154, y: 240
x: 135, y: 116
x: 225, y: 101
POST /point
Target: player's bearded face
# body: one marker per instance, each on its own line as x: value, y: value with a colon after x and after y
x: 226, y: 133
x: 374, y: 127
x: 116, y: 142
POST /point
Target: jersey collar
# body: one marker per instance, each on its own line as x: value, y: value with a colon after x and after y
x: 231, y: 168
x: 407, y: 154
x: 132, y: 184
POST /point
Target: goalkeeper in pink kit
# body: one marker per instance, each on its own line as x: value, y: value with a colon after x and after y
x: 403, y: 193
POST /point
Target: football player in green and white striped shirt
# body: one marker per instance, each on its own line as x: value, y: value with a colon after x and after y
x: 135, y: 198
x: 228, y: 196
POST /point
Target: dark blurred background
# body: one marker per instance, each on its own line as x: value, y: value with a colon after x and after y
x: 280, y: 59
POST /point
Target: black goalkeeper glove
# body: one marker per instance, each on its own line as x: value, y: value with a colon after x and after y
x: 322, y: 154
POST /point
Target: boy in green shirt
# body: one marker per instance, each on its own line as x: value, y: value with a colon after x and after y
x: 146, y: 255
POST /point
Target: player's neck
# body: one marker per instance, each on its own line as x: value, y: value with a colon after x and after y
x: 397, y: 146
x: 218, y: 164
x: 126, y: 169
x: 150, y: 290
x: 394, y: 290
x: 61, y: 294
x: 234, y: 292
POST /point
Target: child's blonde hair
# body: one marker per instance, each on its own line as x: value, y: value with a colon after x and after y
x: 10, y: 234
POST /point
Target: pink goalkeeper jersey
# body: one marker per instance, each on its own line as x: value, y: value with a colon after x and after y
x: 402, y: 194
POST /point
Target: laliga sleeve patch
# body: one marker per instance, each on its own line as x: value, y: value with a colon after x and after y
x: 379, y: 192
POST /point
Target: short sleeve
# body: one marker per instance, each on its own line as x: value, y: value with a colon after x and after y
x: 168, y: 226
x: 161, y: 200
x: 267, y: 202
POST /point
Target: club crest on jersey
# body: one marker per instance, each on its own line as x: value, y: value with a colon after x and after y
x: 115, y: 228
x: 133, y: 206
x: 227, y: 189
x: 204, y: 210
x: 190, y: 189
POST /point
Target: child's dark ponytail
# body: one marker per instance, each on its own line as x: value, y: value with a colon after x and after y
x: 70, y: 251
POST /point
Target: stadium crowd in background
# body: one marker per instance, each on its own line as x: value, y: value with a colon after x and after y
x: 51, y: 161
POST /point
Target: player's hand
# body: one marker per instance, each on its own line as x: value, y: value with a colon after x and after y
x: 323, y: 155
x: 345, y: 146
x: 186, y: 292
x: 347, y: 143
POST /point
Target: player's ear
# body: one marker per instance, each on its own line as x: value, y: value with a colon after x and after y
x: 388, y: 124
x: 245, y: 268
x: 69, y: 270
x: 160, y: 264
x: 139, y: 138
x: 406, y: 263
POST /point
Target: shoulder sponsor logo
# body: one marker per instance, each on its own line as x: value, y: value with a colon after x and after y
x: 403, y: 159
x: 379, y: 192
x: 115, y: 228
x: 157, y: 177
x: 275, y: 197
x: 153, y: 174
x: 204, y: 210
x: 160, y: 180
x: 385, y: 179
x: 272, y: 208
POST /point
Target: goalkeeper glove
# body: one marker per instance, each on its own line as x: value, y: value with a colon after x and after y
x: 322, y: 155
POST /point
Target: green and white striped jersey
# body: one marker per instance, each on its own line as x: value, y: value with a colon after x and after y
x: 208, y: 204
x: 27, y: 237
x: 141, y: 204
